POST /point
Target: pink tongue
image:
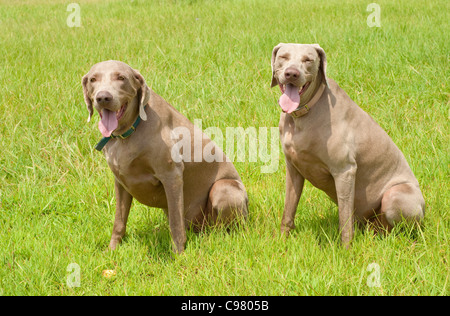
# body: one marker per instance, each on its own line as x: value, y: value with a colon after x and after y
x: 108, y: 123
x: 290, y: 100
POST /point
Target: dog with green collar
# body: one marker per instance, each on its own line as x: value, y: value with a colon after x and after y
x: 138, y: 129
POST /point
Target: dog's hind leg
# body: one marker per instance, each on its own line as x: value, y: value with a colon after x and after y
x: 402, y: 202
x: 227, y: 202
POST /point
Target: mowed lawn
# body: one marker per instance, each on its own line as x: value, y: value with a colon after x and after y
x: 211, y: 61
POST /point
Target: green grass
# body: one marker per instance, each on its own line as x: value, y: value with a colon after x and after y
x: 211, y: 60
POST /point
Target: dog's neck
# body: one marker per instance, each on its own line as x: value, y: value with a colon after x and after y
x: 312, y: 89
x: 129, y: 117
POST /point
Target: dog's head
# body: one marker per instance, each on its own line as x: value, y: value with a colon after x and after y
x: 294, y: 68
x: 117, y: 92
x: 298, y: 64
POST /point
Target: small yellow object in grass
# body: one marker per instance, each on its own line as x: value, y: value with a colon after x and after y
x: 109, y: 273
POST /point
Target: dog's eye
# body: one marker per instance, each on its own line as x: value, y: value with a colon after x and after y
x: 92, y: 79
x: 121, y: 78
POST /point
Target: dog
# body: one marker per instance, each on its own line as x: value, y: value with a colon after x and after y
x: 330, y: 141
x: 138, y: 129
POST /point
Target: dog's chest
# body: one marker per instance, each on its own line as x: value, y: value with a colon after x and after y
x: 305, y: 153
x: 136, y: 175
x: 299, y: 145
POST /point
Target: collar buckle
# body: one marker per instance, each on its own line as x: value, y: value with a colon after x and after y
x: 303, y: 110
x: 300, y: 111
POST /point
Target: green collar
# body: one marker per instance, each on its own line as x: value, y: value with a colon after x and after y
x: 104, y: 140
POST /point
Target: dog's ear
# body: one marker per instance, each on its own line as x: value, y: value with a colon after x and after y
x: 274, y: 56
x: 323, y: 61
x: 143, y: 94
x: 86, y: 97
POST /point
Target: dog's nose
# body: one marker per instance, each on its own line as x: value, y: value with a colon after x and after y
x: 292, y: 73
x: 103, y: 97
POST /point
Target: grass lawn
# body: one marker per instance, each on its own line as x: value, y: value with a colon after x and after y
x: 211, y: 61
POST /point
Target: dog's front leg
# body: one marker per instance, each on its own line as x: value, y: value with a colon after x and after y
x: 294, y: 188
x: 123, y: 204
x: 345, y: 191
x: 173, y: 186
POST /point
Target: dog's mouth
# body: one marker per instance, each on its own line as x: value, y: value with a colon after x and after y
x: 110, y: 120
x: 300, y: 92
x: 290, y: 99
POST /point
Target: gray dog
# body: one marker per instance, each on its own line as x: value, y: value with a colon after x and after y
x: 139, y: 128
x: 330, y: 141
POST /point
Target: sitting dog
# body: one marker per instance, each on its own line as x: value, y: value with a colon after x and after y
x: 331, y: 142
x: 138, y: 139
